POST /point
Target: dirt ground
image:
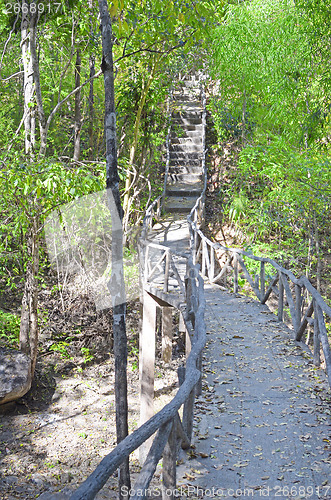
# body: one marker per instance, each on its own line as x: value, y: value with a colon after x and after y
x: 56, y: 435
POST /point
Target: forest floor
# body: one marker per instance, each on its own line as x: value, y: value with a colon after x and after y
x: 55, y: 436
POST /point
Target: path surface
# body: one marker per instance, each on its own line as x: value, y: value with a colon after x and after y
x: 261, y: 428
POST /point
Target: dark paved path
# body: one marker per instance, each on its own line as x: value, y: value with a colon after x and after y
x: 262, y: 425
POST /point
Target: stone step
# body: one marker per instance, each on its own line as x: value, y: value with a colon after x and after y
x: 185, y: 163
x: 180, y: 204
x: 186, y: 97
x: 187, y: 115
x: 186, y: 134
x: 184, y: 121
x: 190, y: 178
x: 186, y: 189
x: 186, y: 104
x: 185, y: 169
x: 187, y: 141
x: 185, y: 129
x: 186, y: 148
x: 183, y: 156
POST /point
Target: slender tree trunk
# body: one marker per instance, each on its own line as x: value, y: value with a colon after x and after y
x: 116, y: 285
x: 91, y: 92
x: 33, y: 293
x: 78, y: 115
x: 91, y: 109
x: 29, y: 316
x: 24, y: 343
x: 37, y: 86
x: 28, y: 88
x: 318, y: 255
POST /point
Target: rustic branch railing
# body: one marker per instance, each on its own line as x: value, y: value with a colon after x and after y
x: 217, y: 262
x: 170, y: 428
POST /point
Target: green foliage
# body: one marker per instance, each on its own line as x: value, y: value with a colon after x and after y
x: 61, y: 348
x: 88, y: 355
x: 9, y: 329
x: 273, y: 86
x: 238, y: 207
x: 32, y: 190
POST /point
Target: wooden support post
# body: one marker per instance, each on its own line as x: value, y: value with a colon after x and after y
x: 262, y: 280
x: 181, y: 326
x: 188, y: 343
x: 188, y: 414
x: 195, y: 247
x: 317, y: 342
x: 281, y: 299
x: 204, y: 258
x: 298, y: 300
x: 146, y: 367
x: 304, y: 322
x: 198, y: 387
x: 166, y: 272
x: 169, y: 466
x: 212, y: 264
x: 167, y: 334
x: 323, y: 336
x: 235, y: 273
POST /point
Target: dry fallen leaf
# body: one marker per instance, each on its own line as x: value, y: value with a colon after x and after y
x: 189, y: 476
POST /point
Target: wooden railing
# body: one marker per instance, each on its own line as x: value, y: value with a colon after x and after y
x: 153, y: 213
x: 170, y: 428
x: 305, y: 304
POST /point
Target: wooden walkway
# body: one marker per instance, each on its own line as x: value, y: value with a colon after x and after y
x: 251, y: 415
x: 262, y: 422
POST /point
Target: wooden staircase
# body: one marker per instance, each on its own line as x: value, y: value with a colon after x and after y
x: 185, y: 174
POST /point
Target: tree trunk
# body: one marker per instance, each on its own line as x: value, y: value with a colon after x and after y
x: 91, y: 92
x: 28, y: 88
x: 37, y: 86
x: 29, y: 315
x: 78, y: 115
x: 116, y: 284
x: 91, y: 108
x: 318, y: 255
x: 33, y: 293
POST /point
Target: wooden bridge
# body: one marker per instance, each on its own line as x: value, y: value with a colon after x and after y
x: 182, y: 269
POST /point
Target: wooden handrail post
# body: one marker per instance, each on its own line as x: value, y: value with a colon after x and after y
x: 317, y: 342
x: 166, y: 334
x: 235, y: 273
x: 298, y: 302
x: 204, y: 258
x: 198, y: 387
x: 146, y: 263
x: 166, y: 271
x: 188, y: 414
x: 281, y: 298
x: 323, y: 336
x: 146, y: 367
x: 262, y: 280
x: 212, y: 264
x: 169, y: 465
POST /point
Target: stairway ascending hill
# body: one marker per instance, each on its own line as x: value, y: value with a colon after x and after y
x: 185, y: 178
